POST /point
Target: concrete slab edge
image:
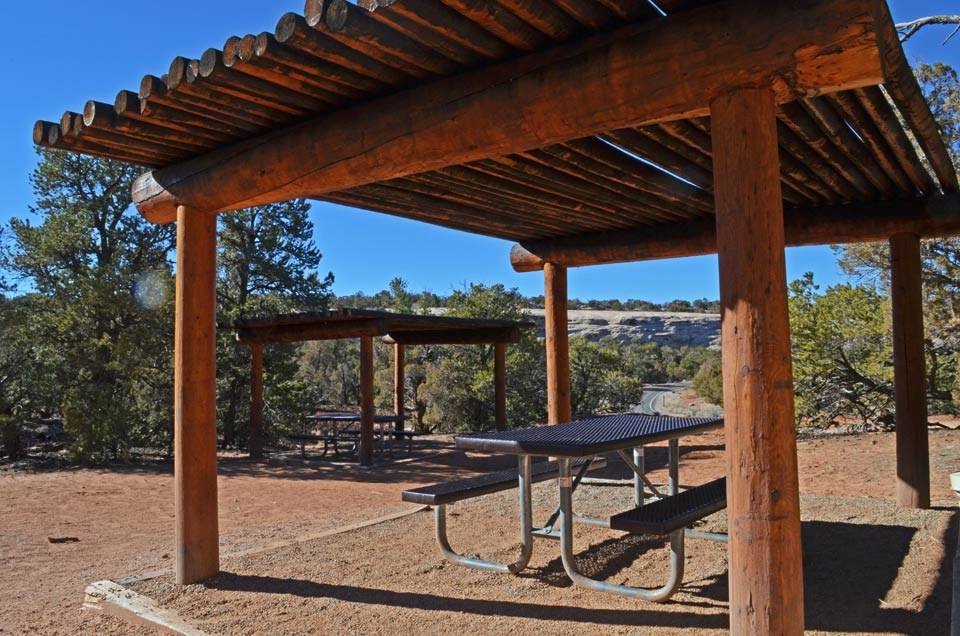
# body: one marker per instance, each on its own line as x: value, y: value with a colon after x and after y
x: 109, y: 597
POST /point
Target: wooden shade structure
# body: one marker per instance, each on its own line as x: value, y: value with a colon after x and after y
x: 587, y: 131
x: 399, y: 330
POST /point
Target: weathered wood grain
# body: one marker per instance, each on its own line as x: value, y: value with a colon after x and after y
x: 763, y: 495
x: 876, y: 105
x: 194, y: 397
x: 909, y: 372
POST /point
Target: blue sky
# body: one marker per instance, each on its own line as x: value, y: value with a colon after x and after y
x: 59, y: 54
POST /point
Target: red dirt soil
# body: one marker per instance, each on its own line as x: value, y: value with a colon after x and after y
x: 123, y: 516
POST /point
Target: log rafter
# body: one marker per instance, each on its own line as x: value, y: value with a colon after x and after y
x: 847, y: 146
x: 614, y: 84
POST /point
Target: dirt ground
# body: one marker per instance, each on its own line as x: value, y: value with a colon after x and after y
x: 369, y: 581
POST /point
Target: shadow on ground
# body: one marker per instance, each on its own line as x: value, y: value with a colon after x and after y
x: 849, y: 569
x: 433, y: 461
x: 433, y: 602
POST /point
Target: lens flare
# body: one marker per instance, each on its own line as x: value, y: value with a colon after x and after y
x: 150, y: 290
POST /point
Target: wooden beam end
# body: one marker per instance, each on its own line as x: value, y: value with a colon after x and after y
x: 523, y: 260
x: 153, y: 201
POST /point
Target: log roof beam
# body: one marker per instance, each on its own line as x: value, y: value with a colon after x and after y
x: 652, y: 71
x: 927, y: 217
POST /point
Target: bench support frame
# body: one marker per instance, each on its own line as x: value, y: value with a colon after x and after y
x: 526, y: 529
x: 656, y: 595
x: 568, y: 482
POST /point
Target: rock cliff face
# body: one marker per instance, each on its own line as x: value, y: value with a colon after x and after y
x: 664, y: 328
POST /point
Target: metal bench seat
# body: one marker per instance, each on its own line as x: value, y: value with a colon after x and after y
x: 460, y: 489
x: 674, y: 512
x: 439, y: 495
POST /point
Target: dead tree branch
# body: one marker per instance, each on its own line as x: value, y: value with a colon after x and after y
x: 908, y: 29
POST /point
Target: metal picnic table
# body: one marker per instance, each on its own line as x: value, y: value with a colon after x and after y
x: 332, y: 429
x: 585, y: 439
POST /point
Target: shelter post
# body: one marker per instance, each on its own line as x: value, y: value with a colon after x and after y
x: 558, y: 343
x: 399, y: 382
x: 195, y: 422
x: 256, y: 401
x: 766, y: 576
x: 500, y: 384
x: 909, y: 372
x: 366, y: 400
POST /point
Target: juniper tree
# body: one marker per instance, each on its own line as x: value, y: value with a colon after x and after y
x: 97, y: 278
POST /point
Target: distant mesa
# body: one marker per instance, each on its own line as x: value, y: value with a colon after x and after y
x: 675, y: 329
x: 671, y: 328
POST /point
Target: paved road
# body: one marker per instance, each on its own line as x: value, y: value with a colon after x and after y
x: 653, y: 394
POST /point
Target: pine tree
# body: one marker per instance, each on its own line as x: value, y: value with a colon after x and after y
x: 267, y: 262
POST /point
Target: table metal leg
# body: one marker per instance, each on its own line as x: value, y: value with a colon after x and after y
x: 547, y: 531
x: 566, y: 543
x: 526, y: 527
x: 673, y: 483
x: 638, y: 475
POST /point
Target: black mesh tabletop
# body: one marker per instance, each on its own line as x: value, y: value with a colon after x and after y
x: 588, y: 437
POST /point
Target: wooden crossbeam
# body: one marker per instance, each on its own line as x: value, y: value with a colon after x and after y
x: 473, y: 335
x: 332, y: 330
x: 927, y: 217
x: 651, y: 71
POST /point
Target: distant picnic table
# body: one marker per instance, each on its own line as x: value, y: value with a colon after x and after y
x: 340, y: 432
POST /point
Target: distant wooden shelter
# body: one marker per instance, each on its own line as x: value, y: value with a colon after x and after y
x: 587, y: 131
x: 396, y: 329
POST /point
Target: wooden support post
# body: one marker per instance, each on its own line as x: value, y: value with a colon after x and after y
x: 366, y: 400
x: 909, y: 372
x: 256, y: 401
x: 399, y: 382
x: 766, y: 574
x: 500, y: 384
x: 195, y: 417
x: 558, y: 344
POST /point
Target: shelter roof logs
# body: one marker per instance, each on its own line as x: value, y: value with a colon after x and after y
x: 406, y: 329
x: 836, y: 148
